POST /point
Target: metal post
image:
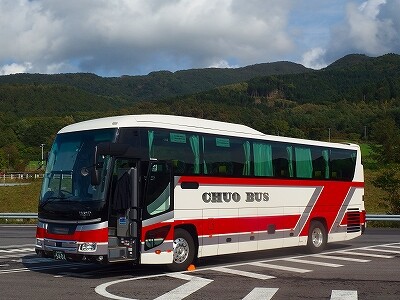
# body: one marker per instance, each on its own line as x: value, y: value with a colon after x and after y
x: 329, y: 134
x: 41, y: 146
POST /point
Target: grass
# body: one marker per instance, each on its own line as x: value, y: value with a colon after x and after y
x: 23, y: 198
x: 373, y: 195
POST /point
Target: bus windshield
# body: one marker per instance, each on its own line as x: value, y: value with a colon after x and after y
x: 70, y: 164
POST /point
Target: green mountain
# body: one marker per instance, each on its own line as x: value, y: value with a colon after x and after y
x: 352, y: 78
x: 156, y: 85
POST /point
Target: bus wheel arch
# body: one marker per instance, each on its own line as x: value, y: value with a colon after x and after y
x: 317, y: 236
x: 185, y: 248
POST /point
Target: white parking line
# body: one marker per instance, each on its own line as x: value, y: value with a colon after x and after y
x: 17, y: 246
x: 390, y: 246
x: 311, y: 262
x: 34, y: 260
x: 185, y: 290
x: 39, y: 268
x: 261, y: 294
x: 17, y: 250
x: 257, y: 293
x: 350, y: 252
x: 16, y: 255
x: 102, y: 288
x: 328, y: 256
x: 277, y: 267
x: 344, y: 295
x: 242, y: 273
x: 381, y: 250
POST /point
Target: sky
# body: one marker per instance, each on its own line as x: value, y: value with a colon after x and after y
x: 112, y: 38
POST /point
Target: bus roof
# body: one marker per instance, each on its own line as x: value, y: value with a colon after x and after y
x: 190, y: 124
x: 162, y: 121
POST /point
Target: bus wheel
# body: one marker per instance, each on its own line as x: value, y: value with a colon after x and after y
x: 317, y: 237
x: 183, y: 251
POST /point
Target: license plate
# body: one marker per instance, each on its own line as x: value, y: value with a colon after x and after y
x: 58, y: 255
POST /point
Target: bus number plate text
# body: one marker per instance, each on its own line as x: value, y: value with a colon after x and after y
x: 58, y: 255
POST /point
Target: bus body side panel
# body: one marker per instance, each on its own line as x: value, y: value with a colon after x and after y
x: 240, y: 215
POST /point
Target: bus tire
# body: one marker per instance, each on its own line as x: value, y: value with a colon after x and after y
x: 183, y: 252
x: 317, y: 237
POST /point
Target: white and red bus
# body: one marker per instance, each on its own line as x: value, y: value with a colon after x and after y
x: 159, y: 189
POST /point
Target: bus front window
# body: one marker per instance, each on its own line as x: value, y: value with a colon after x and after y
x: 69, y: 166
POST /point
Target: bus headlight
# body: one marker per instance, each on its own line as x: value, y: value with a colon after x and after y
x: 88, y: 247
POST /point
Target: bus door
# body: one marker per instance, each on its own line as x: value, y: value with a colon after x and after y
x: 158, y: 214
x: 124, y: 211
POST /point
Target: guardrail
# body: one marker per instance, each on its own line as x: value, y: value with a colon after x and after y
x: 18, y: 215
x: 35, y: 215
x: 19, y: 176
x: 383, y: 217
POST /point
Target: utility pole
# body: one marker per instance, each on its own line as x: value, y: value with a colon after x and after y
x: 41, y: 146
x: 365, y: 132
x: 329, y: 134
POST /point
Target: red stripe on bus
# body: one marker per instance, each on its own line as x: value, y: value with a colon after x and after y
x: 265, y: 181
x: 97, y: 235
x: 328, y: 204
x: 217, y: 226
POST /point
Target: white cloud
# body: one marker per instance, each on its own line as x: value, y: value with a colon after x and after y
x: 15, y: 68
x: 132, y: 36
x: 139, y: 36
x: 366, y: 30
x: 314, y: 58
x: 222, y: 64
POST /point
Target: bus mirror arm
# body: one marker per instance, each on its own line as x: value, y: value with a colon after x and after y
x: 95, y: 176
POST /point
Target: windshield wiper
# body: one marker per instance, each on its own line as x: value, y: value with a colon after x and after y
x: 48, y: 200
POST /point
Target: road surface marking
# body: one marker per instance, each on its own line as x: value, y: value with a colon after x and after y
x: 311, y: 262
x: 261, y: 294
x: 185, y: 290
x: 344, y: 295
x: 349, y: 252
x: 242, y: 273
x: 34, y: 260
x: 17, y: 246
x: 17, y: 250
x: 277, y: 267
x: 14, y: 255
x: 20, y: 270
x: 381, y: 250
x: 391, y: 246
x: 341, y: 258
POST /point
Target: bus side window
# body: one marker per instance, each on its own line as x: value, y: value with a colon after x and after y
x: 226, y: 156
x: 304, y: 166
x: 182, y: 148
x: 282, y: 160
x: 158, y: 190
x: 320, y: 163
x: 343, y: 164
x: 262, y: 157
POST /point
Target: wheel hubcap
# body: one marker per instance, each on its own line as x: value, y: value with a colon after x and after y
x: 317, y: 237
x: 181, y: 250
